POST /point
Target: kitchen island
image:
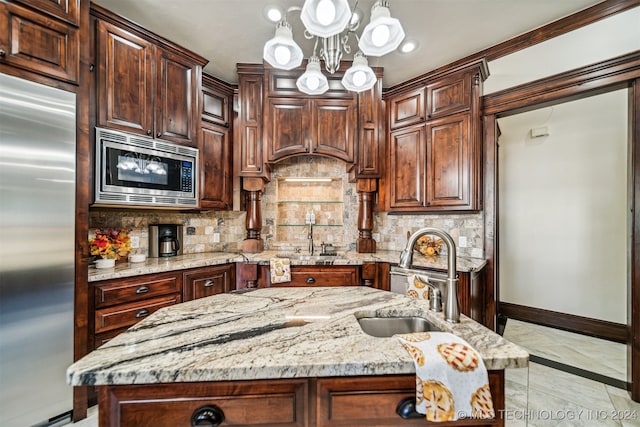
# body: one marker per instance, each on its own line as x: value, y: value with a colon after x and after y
x: 274, y: 356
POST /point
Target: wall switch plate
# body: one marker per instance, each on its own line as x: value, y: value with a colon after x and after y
x: 191, y: 231
x: 216, y: 237
x: 135, y: 242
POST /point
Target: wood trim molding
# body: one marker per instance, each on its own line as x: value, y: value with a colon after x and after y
x: 633, y: 304
x: 554, y: 29
x: 565, y: 85
x: 567, y: 322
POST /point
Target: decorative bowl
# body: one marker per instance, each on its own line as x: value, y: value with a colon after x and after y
x: 137, y: 257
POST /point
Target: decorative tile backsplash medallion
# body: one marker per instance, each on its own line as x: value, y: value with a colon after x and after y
x: 203, y: 229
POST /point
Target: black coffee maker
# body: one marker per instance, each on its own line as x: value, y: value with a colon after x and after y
x: 165, y: 240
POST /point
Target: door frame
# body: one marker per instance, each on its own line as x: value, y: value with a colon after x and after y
x: 601, y: 77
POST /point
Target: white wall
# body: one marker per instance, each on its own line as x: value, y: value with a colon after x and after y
x: 563, y: 201
x: 602, y: 40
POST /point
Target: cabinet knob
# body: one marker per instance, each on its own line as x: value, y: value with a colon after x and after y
x: 209, y: 415
x: 311, y: 280
x: 209, y: 283
x: 149, y: 132
x: 2, y: 53
x: 142, y: 290
x: 407, y: 409
x: 142, y: 313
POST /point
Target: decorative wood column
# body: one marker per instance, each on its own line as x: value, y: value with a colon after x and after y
x: 253, y: 223
x: 366, y: 194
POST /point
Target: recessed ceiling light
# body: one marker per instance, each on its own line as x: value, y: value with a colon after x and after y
x: 273, y: 13
x: 408, y: 46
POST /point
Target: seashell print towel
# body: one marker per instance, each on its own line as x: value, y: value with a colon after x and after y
x: 451, y: 379
x: 280, y: 269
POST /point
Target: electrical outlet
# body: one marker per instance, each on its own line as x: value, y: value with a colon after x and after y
x: 135, y: 242
x: 216, y: 237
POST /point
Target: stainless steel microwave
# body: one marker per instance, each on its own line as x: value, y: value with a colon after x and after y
x: 144, y: 172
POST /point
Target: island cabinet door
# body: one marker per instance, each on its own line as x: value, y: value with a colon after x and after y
x: 280, y: 403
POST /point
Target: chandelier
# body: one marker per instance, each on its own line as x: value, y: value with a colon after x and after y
x: 332, y: 23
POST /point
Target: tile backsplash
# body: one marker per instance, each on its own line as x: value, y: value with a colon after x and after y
x: 201, y: 230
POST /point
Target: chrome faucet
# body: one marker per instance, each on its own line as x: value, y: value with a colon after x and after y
x: 451, y: 307
x: 310, y: 237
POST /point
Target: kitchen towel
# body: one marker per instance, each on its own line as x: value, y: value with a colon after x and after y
x: 280, y: 269
x: 451, y: 379
x: 416, y: 286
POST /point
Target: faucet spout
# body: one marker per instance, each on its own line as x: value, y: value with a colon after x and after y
x: 310, y: 237
x: 451, y: 307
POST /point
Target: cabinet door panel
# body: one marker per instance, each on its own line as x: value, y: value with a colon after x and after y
x: 125, y: 92
x: 407, y: 109
x: 175, y: 101
x: 67, y: 10
x: 250, y: 124
x: 207, y: 281
x: 448, y: 96
x: 37, y: 43
x: 448, y: 160
x: 334, y: 127
x: 407, y: 167
x: 216, y: 160
x: 288, y: 129
x: 215, y: 107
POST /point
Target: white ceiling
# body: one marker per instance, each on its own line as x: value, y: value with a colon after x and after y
x: 227, y: 32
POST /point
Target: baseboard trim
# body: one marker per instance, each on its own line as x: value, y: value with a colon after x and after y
x: 568, y: 322
x: 594, y: 376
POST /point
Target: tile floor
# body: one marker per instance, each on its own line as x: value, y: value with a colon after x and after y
x: 541, y: 396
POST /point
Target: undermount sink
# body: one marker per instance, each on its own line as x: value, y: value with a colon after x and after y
x: 383, y: 327
x: 307, y: 257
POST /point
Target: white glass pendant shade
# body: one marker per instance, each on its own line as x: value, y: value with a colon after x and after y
x: 313, y: 82
x: 383, y: 34
x: 282, y: 52
x: 325, y: 18
x: 359, y: 77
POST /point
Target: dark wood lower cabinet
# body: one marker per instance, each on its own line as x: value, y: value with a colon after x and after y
x: 319, y: 402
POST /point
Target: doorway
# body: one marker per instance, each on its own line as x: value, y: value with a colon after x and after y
x: 562, y: 221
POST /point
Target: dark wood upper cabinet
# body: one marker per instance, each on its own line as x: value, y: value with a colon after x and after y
x: 449, y: 95
x: 449, y: 162
x: 35, y: 41
x: 338, y: 124
x: 407, y: 167
x: 287, y: 123
x: 216, y: 145
x: 406, y: 109
x: 334, y: 128
x: 434, y: 143
x: 125, y: 80
x: 146, y: 86
x: 309, y: 125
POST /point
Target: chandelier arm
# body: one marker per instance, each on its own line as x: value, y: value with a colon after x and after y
x: 315, y: 46
x: 350, y: 26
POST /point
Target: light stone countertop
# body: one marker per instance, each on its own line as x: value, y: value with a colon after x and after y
x: 181, y: 262
x: 274, y: 333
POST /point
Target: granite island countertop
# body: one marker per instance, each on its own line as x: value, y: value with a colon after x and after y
x: 274, y: 333
x: 204, y: 259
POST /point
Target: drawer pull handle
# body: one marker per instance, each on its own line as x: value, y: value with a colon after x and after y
x: 407, y: 409
x: 209, y: 415
x: 209, y: 283
x: 311, y: 280
x: 142, y: 290
x: 142, y: 313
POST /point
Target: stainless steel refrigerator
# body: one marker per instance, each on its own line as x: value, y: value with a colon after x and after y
x: 37, y: 215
